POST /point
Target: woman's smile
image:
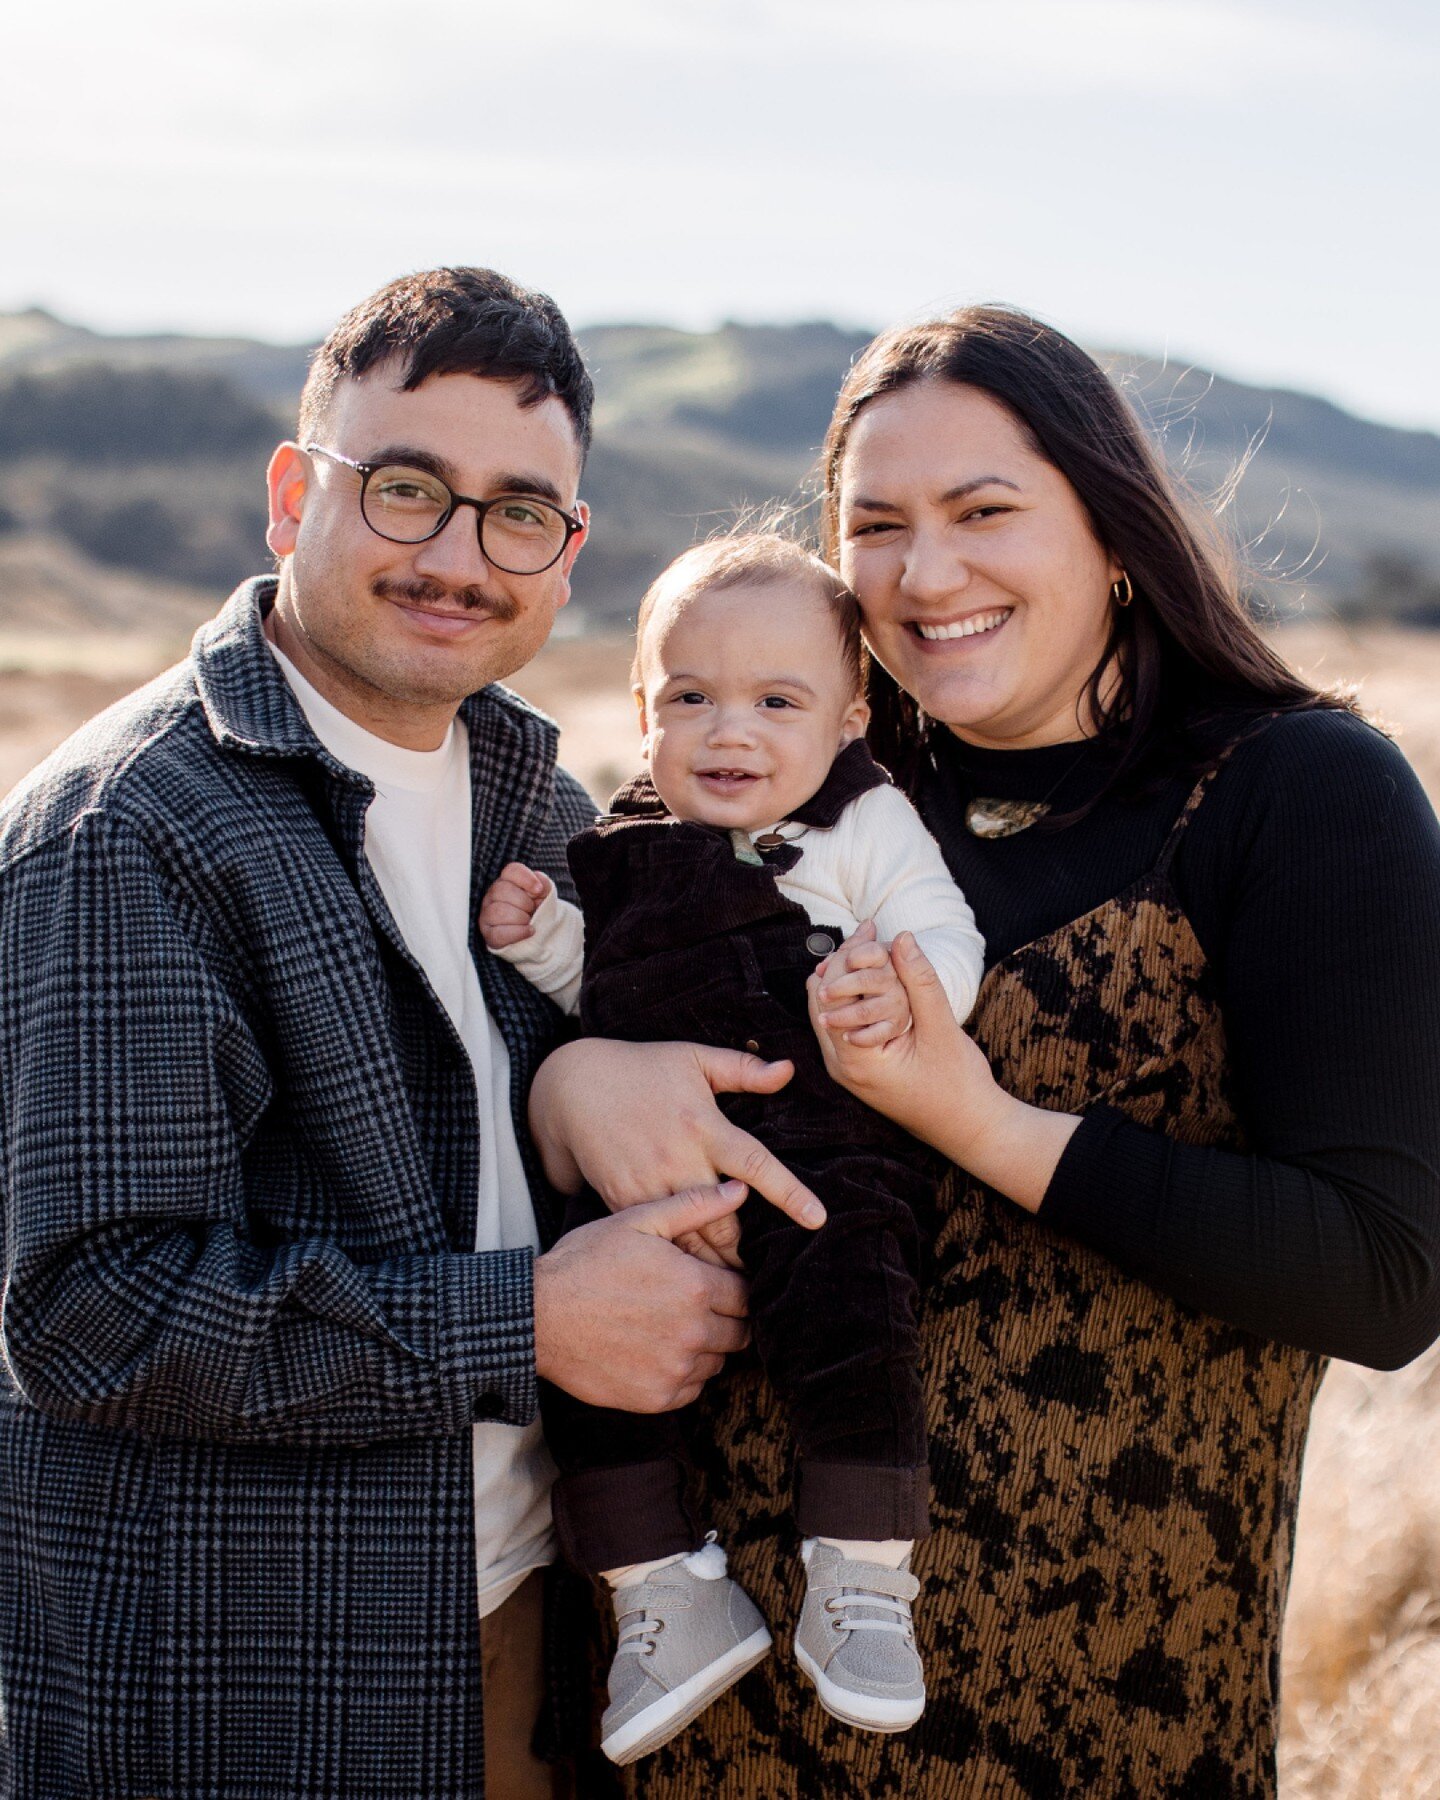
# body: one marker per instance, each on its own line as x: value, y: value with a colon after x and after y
x: 973, y: 625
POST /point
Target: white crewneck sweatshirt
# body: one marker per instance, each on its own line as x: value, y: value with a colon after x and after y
x: 417, y: 842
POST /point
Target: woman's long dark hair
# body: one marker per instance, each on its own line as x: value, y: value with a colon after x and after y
x: 1191, y: 663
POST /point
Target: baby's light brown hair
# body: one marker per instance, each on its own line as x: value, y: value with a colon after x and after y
x: 751, y: 559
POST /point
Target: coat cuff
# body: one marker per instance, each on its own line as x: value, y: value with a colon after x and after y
x: 486, y: 1352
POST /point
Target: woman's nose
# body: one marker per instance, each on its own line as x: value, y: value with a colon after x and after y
x: 933, y: 570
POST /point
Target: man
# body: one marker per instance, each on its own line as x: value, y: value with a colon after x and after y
x: 272, y: 1490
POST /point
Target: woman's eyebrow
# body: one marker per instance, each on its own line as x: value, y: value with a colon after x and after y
x: 862, y: 503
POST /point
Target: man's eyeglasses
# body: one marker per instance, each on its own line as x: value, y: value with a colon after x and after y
x: 518, y: 533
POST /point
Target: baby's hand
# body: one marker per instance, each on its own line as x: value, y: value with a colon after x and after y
x: 862, y: 999
x: 510, y: 904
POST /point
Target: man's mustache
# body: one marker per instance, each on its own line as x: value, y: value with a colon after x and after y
x: 431, y: 593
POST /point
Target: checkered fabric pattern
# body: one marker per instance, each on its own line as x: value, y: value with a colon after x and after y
x: 245, y: 1334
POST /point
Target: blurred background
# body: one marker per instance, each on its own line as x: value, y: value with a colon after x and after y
x: 1227, y: 203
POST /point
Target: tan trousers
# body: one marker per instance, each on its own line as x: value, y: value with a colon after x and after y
x: 514, y: 1678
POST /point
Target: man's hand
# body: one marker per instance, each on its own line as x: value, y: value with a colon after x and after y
x: 625, y: 1318
x: 510, y: 903
x: 634, y: 1120
x: 861, y: 996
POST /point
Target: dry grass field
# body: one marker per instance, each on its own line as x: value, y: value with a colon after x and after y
x: 1362, y: 1665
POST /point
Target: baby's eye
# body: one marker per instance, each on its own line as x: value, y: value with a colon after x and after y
x: 776, y: 701
x: 690, y: 699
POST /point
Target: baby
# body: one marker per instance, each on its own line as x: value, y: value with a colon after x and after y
x: 761, y: 841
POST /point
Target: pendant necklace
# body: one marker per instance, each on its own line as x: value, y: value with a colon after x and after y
x: 989, y: 818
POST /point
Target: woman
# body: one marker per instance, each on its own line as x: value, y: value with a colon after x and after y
x: 1207, y: 1155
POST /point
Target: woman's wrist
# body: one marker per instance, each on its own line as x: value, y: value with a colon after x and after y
x: 1012, y: 1147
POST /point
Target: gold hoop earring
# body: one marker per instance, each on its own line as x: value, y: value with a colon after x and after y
x: 1122, y: 598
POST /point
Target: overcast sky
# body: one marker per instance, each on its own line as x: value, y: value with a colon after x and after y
x: 1253, y: 187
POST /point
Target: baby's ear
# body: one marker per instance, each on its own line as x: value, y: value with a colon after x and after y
x: 856, y: 721
x: 639, y: 694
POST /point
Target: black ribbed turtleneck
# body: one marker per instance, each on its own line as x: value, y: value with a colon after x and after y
x: 1311, y: 876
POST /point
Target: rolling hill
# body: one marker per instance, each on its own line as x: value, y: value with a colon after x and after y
x: 143, y: 457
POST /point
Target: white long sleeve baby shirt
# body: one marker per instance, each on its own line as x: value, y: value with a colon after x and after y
x: 876, y: 862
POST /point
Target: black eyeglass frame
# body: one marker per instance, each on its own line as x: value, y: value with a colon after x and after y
x: 366, y: 469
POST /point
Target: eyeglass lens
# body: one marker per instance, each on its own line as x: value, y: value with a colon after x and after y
x: 516, y: 534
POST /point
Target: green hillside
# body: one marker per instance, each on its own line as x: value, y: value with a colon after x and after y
x: 145, y: 454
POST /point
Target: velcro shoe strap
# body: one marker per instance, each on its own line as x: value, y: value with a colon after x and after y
x: 875, y: 1578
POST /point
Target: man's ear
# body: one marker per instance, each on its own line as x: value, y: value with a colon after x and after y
x: 572, y: 550
x: 577, y: 539
x: 287, y: 479
x: 855, y: 722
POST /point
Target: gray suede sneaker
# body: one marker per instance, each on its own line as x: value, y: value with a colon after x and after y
x: 856, y: 1642
x: 687, y: 1632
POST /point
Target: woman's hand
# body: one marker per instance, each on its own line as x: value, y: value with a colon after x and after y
x: 937, y: 1083
x: 637, y: 1120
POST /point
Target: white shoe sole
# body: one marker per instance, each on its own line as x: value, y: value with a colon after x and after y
x: 659, y: 1722
x: 844, y: 1704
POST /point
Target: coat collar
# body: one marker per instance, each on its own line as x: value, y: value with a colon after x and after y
x: 251, y: 709
x: 853, y: 772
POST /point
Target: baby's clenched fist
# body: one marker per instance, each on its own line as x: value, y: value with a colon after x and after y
x: 510, y: 905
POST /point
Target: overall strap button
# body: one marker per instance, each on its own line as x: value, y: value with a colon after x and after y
x: 819, y: 943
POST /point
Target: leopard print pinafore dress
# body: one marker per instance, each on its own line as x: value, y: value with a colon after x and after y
x: 1115, y: 1476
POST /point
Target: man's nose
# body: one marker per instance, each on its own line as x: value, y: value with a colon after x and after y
x: 933, y: 570
x: 454, y: 555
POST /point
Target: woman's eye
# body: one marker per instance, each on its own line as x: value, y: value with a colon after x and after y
x: 987, y: 512
x: 874, y: 530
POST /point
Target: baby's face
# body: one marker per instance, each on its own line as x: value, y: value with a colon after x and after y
x: 745, y: 702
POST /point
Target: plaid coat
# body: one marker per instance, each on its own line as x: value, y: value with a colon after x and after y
x: 245, y: 1334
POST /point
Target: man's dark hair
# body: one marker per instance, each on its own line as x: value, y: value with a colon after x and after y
x: 455, y: 322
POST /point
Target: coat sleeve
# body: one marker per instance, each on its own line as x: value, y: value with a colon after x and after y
x: 135, y: 1293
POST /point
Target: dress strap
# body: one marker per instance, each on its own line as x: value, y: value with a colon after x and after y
x: 1187, y: 812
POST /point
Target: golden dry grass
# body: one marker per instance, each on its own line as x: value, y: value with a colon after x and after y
x: 1362, y: 1653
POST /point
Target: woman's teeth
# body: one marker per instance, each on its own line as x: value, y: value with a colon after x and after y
x: 970, y: 627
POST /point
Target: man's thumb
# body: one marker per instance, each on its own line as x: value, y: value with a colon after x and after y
x: 742, y: 1072
x: 676, y: 1214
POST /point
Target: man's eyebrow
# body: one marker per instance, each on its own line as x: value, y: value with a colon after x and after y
x: 862, y: 502
x: 414, y: 458
x: 529, y: 483
x: 511, y: 482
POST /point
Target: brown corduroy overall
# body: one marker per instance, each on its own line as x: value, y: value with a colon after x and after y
x: 683, y: 940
